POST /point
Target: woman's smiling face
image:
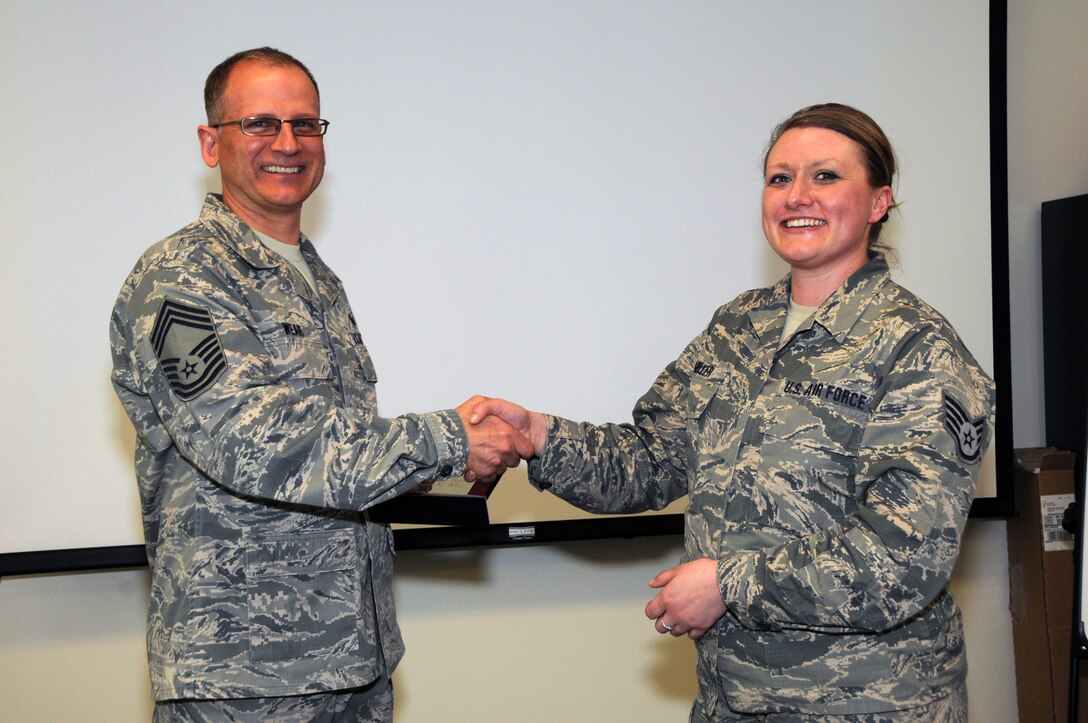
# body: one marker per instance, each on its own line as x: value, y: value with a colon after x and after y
x: 818, y: 203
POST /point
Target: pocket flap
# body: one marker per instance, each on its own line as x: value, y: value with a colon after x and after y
x: 300, y: 553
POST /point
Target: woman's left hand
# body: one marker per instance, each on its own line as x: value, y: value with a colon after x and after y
x: 689, y: 602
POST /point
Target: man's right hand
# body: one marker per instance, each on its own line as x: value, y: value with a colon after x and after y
x: 493, y: 445
x: 532, y: 425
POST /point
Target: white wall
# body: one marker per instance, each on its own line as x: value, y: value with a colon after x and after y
x: 71, y: 646
x: 555, y: 633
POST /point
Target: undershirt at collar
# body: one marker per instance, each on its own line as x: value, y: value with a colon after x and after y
x: 293, y: 254
x: 795, y: 316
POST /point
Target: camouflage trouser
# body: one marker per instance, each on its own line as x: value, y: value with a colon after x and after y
x: 370, y: 704
x: 950, y: 709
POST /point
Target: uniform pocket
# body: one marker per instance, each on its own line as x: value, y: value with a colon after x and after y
x: 701, y: 387
x: 799, y: 478
x: 826, y: 455
x: 303, y: 595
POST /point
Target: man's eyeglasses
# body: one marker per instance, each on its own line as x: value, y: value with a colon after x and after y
x: 264, y: 126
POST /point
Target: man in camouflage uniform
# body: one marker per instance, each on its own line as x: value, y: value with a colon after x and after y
x: 830, y: 473
x: 239, y: 361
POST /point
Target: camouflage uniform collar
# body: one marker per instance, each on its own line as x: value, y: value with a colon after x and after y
x: 837, y: 314
x: 842, y: 309
x: 767, y: 319
x: 328, y: 284
x: 236, y: 234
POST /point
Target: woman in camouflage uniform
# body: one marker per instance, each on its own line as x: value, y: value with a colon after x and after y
x: 828, y: 432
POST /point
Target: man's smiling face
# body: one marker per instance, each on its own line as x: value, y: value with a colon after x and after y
x: 266, y: 179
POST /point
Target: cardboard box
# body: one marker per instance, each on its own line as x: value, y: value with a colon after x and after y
x: 1041, y: 586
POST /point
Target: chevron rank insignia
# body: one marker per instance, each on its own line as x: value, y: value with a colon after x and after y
x: 188, y: 348
x: 966, y: 432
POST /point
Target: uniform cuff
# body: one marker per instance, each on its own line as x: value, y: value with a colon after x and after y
x: 450, y: 442
x: 544, y: 470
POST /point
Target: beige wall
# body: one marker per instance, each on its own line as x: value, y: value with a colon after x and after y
x: 553, y: 632
x: 556, y: 632
x: 1048, y: 159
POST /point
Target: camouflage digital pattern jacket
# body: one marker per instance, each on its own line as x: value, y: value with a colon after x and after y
x: 258, y: 448
x: 830, y: 476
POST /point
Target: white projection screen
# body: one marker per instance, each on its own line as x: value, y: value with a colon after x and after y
x: 538, y: 200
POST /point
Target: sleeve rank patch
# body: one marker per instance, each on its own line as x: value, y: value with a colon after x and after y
x: 966, y: 432
x: 188, y: 348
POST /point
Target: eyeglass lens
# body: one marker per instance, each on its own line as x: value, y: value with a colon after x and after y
x: 262, y: 126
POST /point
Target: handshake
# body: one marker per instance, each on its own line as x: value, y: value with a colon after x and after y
x: 500, y: 435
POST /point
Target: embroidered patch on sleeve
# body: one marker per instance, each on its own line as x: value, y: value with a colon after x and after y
x: 966, y: 432
x: 188, y: 348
